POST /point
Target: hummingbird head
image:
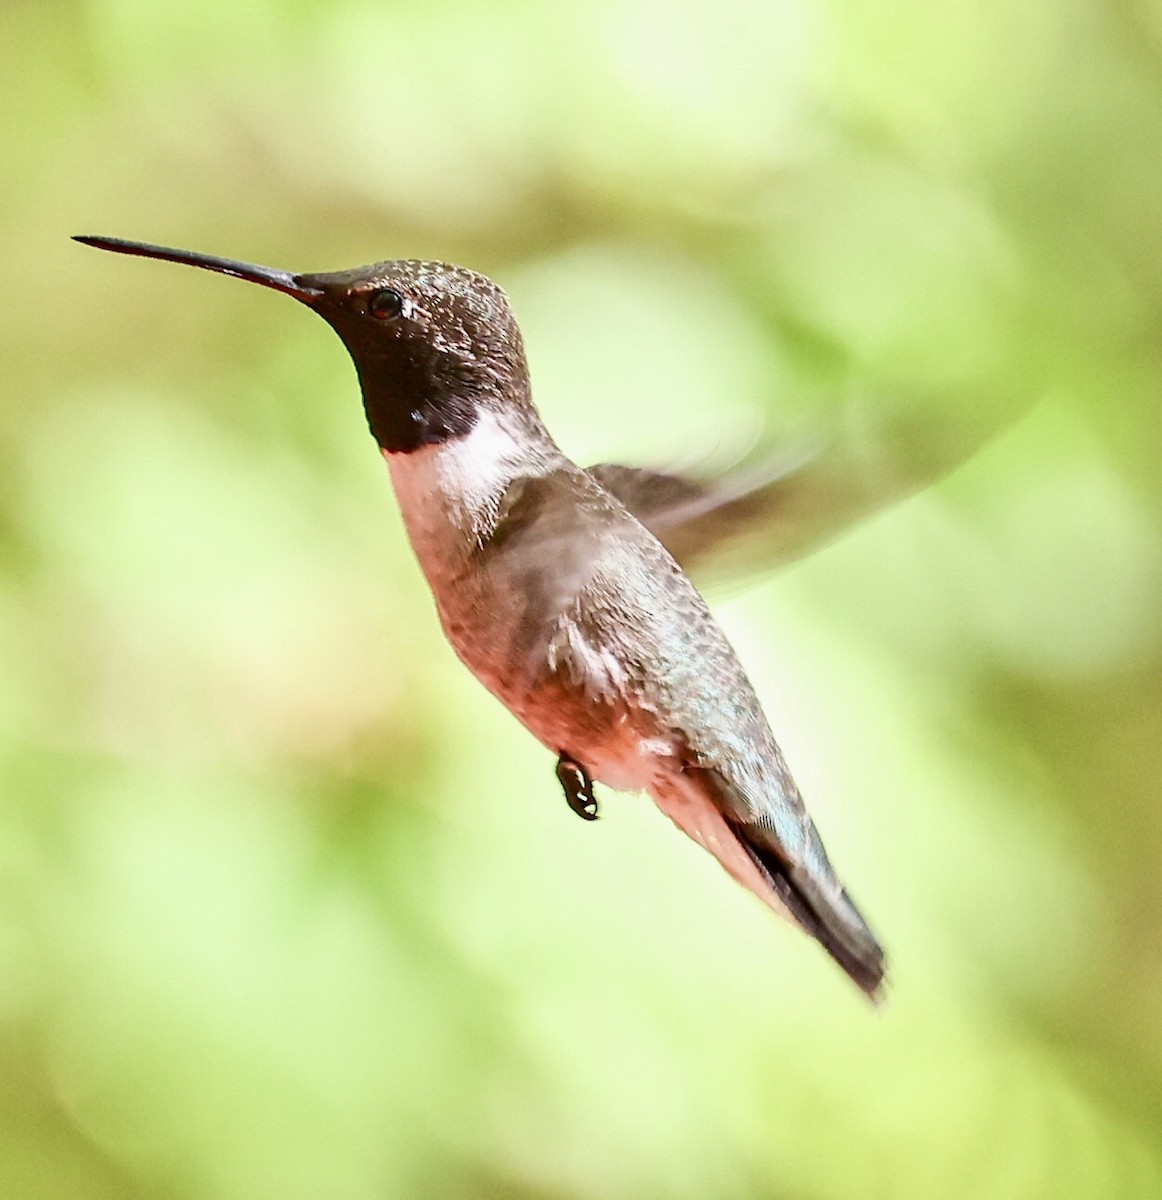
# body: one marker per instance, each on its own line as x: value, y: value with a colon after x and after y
x: 434, y: 345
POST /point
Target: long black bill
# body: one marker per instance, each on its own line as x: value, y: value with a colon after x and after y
x: 281, y: 281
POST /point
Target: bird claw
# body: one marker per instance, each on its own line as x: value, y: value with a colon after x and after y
x: 578, y: 788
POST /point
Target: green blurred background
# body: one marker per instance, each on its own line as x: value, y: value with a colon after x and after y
x: 289, y: 906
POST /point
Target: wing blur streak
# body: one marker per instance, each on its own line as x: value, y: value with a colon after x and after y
x: 750, y: 521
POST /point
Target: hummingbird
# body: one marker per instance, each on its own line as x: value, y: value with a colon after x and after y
x: 562, y: 589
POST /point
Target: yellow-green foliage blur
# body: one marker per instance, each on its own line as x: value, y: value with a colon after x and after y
x: 290, y: 908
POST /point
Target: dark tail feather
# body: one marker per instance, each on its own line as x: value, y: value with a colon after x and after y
x: 834, y: 922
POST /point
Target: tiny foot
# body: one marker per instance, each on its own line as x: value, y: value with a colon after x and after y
x: 578, y: 787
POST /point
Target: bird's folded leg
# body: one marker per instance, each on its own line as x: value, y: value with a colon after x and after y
x: 578, y: 787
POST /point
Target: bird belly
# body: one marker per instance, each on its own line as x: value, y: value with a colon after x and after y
x: 619, y: 742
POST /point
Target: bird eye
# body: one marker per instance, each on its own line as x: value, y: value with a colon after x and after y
x: 385, y: 304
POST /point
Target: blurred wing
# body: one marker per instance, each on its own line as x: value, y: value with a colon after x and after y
x: 549, y: 535
x: 749, y: 521
x: 547, y: 540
